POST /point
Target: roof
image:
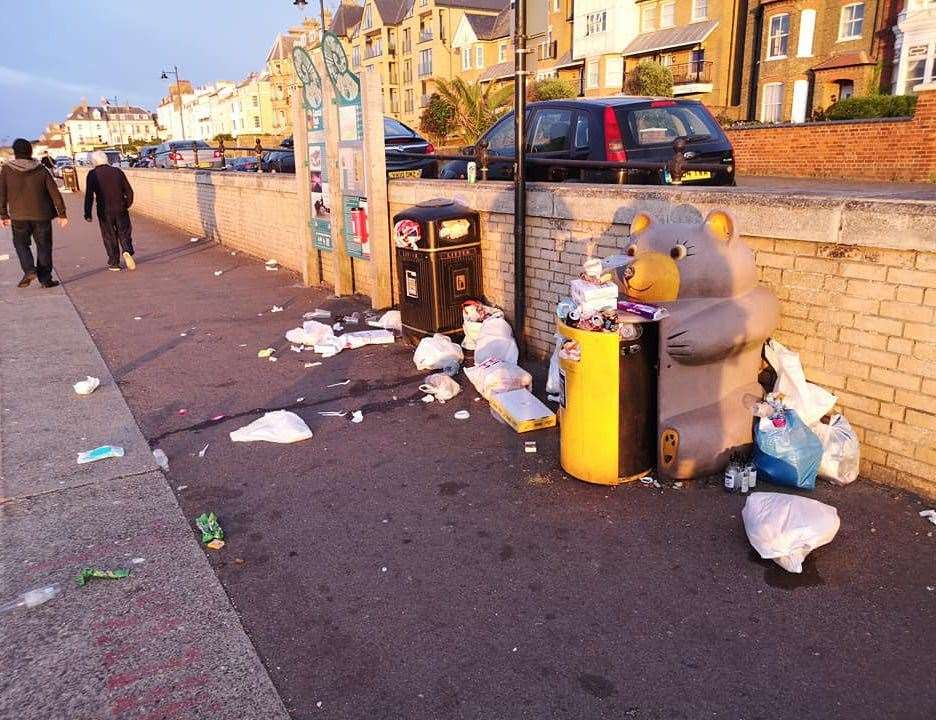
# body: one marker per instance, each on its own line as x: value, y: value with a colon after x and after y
x: 846, y: 59
x: 346, y: 17
x: 493, y: 5
x: 565, y: 60
x: 392, y: 11
x: 86, y: 112
x: 482, y: 25
x: 672, y: 37
x: 505, y: 70
x: 282, y: 47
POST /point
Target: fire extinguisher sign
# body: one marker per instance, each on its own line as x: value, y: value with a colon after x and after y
x: 357, y: 242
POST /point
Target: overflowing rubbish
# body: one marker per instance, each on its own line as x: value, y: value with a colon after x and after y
x: 265, y: 353
x: 522, y: 410
x: 786, y: 528
x: 786, y: 451
x: 337, y: 327
x: 311, y: 333
x: 88, y: 574
x: 360, y: 338
x: 279, y: 426
x: 462, y: 415
x: 161, y: 459
x: 644, y: 310
x: 841, y: 451
x: 740, y: 475
x: 437, y: 352
x: 440, y: 386
x: 31, y: 598
x: 495, y: 341
x: 591, y: 296
x: 317, y: 314
x: 87, y: 386
x: 295, y: 348
x: 210, y: 527
x: 497, y: 376
x: 100, y: 453
x: 474, y: 313
x: 390, y: 320
x: 809, y: 401
x: 194, y: 240
x: 352, y: 319
x: 311, y: 365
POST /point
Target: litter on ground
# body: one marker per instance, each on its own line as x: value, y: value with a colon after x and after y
x: 332, y: 413
x: 357, y: 416
x: 339, y: 384
x: 276, y: 308
x: 100, y: 453
x: 929, y: 515
x: 529, y: 446
x: 279, y: 426
x: 210, y: 527
x: 201, y: 453
x: 218, y: 273
x: 161, y: 459
x: 265, y: 353
x: 462, y: 415
x: 88, y: 574
x: 317, y: 314
x: 215, y: 544
x: 87, y: 386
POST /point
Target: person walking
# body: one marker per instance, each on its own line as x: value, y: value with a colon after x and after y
x: 114, y: 196
x: 29, y: 199
x: 48, y: 162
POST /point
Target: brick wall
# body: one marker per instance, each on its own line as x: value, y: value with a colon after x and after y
x: 856, y: 281
x: 889, y: 150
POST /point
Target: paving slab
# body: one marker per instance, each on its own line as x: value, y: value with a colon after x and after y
x: 163, y: 642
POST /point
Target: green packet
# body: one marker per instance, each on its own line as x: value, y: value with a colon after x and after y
x: 209, y: 526
x: 87, y: 574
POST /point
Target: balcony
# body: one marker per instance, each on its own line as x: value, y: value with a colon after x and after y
x: 692, y: 77
x: 391, y: 49
x: 546, y: 50
x: 372, y: 51
x: 425, y: 70
x: 425, y: 35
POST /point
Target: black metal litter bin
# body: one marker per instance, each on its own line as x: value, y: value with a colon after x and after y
x: 70, y: 178
x: 438, y: 265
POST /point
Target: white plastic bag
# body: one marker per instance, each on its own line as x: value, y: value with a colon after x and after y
x: 553, y: 381
x: 495, y: 340
x: 390, y: 320
x: 87, y: 386
x: 494, y: 376
x: 810, y: 401
x: 437, y: 352
x: 312, y: 332
x: 786, y: 528
x: 279, y: 426
x: 360, y: 338
x: 841, y: 451
x: 440, y: 386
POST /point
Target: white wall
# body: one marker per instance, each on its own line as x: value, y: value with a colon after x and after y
x: 622, y: 27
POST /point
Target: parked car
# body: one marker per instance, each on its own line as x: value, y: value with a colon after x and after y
x: 398, y: 138
x: 242, y: 164
x: 612, y: 129
x: 180, y: 154
x: 61, y: 162
x: 147, y: 157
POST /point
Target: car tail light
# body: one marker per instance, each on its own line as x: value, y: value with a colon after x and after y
x: 218, y: 154
x: 663, y: 103
x: 430, y: 149
x: 614, y: 144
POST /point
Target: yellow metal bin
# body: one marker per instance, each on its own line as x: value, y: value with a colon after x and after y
x: 608, y: 407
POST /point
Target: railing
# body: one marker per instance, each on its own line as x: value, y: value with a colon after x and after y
x: 394, y: 78
x: 546, y: 50
x: 688, y: 73
x: 425, y: 35
x: 371, y: 51
x: 219, y: 155
x: 391, y: 48
x: 425, y: 70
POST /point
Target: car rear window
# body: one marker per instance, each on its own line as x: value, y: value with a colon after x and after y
x: 551, y: 130
x: 394, y: 128
x: 662, y: 125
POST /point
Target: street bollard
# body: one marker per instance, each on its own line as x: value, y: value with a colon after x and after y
x: 483, y: 157
x: 195, y: 151
x: 259, y: 150
x: 221, y: 151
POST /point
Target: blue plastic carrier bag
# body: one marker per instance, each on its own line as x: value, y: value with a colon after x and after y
x: 789, y: 455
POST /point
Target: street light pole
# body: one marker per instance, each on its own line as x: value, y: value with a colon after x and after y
x: 165, y: 76
x: 520, y: 204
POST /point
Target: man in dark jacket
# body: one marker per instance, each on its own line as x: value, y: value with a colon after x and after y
x: 114, y: 198
x: 30, y: 198
x: 47, y: 162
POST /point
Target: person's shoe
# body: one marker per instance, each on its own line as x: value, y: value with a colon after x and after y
x: 27, y: 279
x: 113, y: 268
x: 50, y: 283
x: 128, y: 259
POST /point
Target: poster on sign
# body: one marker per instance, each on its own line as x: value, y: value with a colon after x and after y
x: 357, y: 242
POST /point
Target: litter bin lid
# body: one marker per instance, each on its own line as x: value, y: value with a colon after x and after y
x: 436, y: 203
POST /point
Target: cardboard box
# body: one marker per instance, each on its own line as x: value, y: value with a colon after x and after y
x: 522, y: 411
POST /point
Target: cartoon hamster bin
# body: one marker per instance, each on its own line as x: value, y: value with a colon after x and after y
x: 607, y: 412
x: 710, y: 345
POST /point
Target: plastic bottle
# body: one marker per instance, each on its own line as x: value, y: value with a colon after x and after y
x: 32, y: 599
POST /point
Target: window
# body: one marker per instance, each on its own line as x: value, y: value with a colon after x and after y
x: 846, y: 89
x: 807, y: 26
x: 356, y: 56
x: 593, y: 74
x: 502, y: 53
x: 256, y: 121
x: 699, y: 10
x: 551, y: 131
x: 614, y: 72
x: 779, y: 36
x: 581, y: 132
x: 800, y: 97
x: 647, y: 18
x: 479, y: 56
x: 501, y: 138
x: 662, y: 125
x: 407, y: 43
x: 916, y: 66
x: 697, y: 65
x: 255, y: 101
x: 772, y: 103
x: 407, y: 71
x: 466, y: 58
x: 425, y: 63
x: 555, y: 5
x: 368, y: 20
x: 668, y: 14
x: 596, y: 22
x: 666, y: 60
x: 851, y: 20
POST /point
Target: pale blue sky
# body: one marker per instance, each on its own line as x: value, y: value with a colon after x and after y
x: 54, y: 52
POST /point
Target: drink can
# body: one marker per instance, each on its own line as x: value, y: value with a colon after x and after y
x: 472, y: 172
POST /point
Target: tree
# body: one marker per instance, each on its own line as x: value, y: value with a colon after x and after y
x: 476, y: 106
x: 436, y: 119
x: 651, y: 78
x: 551, y: 89
x: 227, y: 137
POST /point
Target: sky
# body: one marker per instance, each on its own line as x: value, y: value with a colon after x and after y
x: 54, y: 52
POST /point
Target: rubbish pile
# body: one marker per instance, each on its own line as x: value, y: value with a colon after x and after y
x: 321, y: 338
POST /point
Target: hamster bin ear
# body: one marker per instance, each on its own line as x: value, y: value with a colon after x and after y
x: 640, y: 223
x: 721, y: 224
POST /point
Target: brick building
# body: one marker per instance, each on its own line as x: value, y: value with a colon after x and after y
x: 806, y: 54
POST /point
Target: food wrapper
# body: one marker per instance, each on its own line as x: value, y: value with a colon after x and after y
x: 88, y: 574
x: 209, y: 526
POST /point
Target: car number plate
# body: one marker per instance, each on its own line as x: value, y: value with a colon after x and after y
x: 404, y: 174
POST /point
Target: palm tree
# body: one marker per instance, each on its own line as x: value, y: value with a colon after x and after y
x: 476, y: 106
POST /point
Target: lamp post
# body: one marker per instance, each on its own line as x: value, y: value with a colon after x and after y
x: 520, y: 204
x: 165, y: 76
